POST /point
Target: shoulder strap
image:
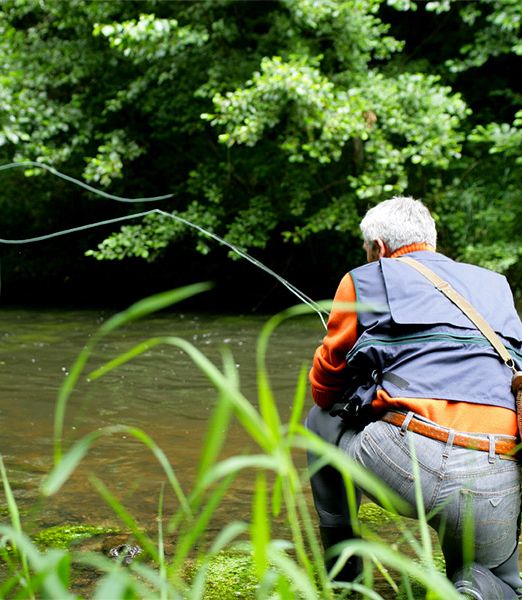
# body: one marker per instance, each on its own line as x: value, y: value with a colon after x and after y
x: 473, y: 315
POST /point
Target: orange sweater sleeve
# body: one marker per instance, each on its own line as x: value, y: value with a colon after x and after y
x: 328, y: 376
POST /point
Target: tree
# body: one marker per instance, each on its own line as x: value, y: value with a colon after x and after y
x: 269, y: 121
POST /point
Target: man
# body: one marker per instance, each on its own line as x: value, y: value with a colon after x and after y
x: 418, y: 371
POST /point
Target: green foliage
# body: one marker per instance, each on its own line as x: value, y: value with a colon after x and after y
x: 267, y: 121
x: 230, y: 575
x: 108, y: 163
x: 503, y: 138
x: 143, y: 241
x: 321, y: 118
x: 479, y: 217
x: 496, y: 26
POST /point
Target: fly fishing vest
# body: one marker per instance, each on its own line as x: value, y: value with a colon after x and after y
x: 419, y: 345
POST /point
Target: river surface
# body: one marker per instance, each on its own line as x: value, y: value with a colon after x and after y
x: 161, y: 392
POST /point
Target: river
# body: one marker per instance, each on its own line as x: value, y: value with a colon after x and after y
x: 161, y: 392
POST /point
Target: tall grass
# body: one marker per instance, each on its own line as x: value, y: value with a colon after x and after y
x: 286, y: 567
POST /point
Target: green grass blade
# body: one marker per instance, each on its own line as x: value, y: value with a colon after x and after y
x: 246, y: 413
x: 63, y: 397
x: 16, y: 523
x: 164, y: 462
x: 235, y: 464
x: 315, y: 546
x: 117, y: 585
x: 299, y: 401
x: 419, y: 502
x: 125, y: 357
x: 216, y: 435
x: 161, y: 544
x: 468, y: 530
x: 438, y: 585
x: 260, y: 529
x: 12, y: 507
x: 67, y: 464
x: 267, y: 406
x: 224, y: 538
x: 139, y: 577
x: 198, y: 526
x: 277, y: 495
x: 220, y: 420
x: 302, y: 582
x: 47, y: 569
x: 365, y: 592
x: 229, y: 368
x: 291, y: 492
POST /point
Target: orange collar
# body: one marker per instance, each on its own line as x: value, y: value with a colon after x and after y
x: 412, y: 248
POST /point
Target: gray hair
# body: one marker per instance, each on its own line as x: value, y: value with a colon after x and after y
x: 398, y: 222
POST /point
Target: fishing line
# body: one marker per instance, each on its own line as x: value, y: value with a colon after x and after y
x: 297, y: 292
x: 300, y: 295
x: 81, y: 183
x: 47, y: 236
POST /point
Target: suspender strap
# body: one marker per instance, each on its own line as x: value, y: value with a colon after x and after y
x: 473, y: 315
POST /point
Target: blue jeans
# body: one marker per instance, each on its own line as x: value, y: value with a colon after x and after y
x: 453, y: 479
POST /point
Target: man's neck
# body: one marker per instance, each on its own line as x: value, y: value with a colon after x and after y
x: 412, y: 248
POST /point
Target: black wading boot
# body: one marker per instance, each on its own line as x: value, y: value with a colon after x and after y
x: 330, y: 536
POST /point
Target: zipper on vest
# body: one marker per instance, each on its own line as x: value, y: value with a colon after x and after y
x: 425, y: 337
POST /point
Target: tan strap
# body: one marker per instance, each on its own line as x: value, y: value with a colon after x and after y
x: 473, y: 315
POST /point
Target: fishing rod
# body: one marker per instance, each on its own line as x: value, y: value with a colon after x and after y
x: 297, y: 292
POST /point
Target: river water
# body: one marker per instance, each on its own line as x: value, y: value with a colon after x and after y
x: 161, y: 392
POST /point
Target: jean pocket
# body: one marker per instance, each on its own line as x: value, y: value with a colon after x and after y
x: 489, y: 520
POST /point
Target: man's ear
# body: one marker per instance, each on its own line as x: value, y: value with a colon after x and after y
x: 380, y: 249
x: 375, y: 250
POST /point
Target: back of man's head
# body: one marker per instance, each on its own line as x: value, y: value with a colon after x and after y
x: 399, y: 222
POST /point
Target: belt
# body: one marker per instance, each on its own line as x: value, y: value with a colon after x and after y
x: 504, y: 447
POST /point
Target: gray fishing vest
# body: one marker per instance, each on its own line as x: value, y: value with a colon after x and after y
x: 418, y: 344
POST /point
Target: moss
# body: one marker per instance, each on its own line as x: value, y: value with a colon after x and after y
x: 372, y: 514
x: 63, y: 536
x: 230, y: 576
